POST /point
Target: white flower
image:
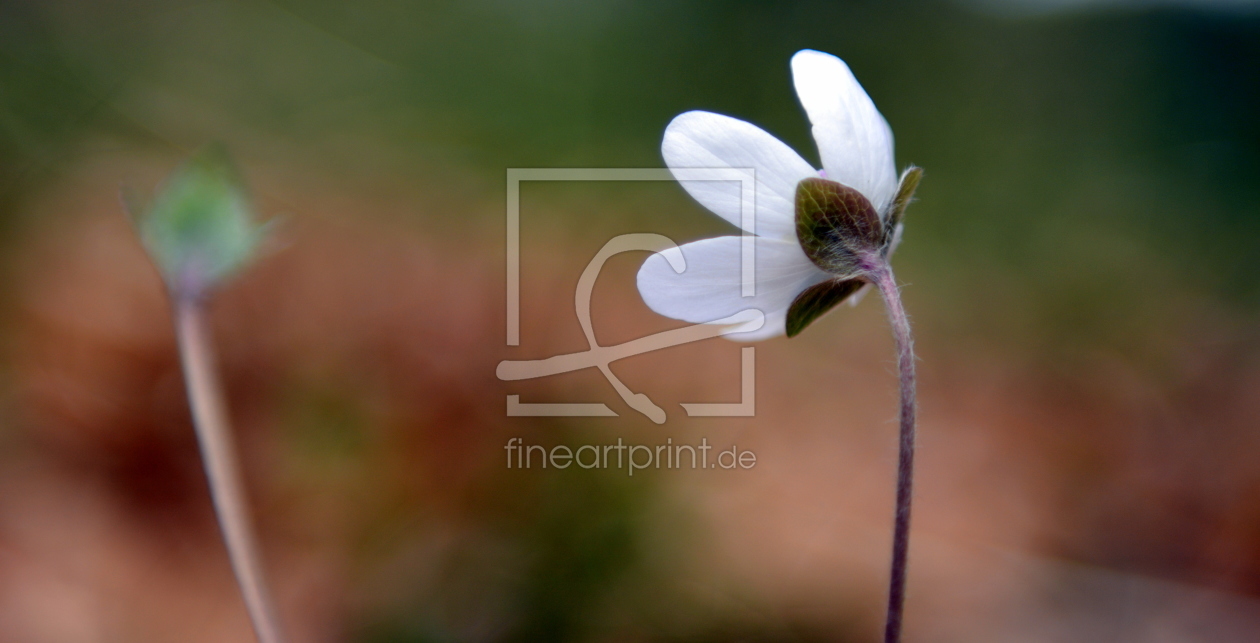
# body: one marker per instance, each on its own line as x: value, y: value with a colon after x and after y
x: 856, y: 146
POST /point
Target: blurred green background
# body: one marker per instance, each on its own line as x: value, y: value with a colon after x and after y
x: 1083, y: 275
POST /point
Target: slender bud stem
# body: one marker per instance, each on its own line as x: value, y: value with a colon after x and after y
x: 883, y: 277
x: 218, y: 454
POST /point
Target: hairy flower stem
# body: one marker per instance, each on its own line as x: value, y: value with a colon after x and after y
x: 218, y: 453
x: 883, y: 278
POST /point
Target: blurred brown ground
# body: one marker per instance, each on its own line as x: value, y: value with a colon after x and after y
x: 1078, y: 502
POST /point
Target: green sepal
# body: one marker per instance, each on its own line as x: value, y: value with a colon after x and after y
x: 835, y: 224
x: 905, y: 193
x: 817, y: 300
x: 200, y: 228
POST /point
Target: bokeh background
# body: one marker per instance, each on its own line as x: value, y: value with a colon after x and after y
x: 1082, y: 269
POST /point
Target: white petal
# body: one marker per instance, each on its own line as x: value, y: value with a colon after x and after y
x: 856, y: 298
x: 775, y: 325
x: 709, y: 287
x: 708, y: 140
x: 896, y: 240
x: 854, y: 140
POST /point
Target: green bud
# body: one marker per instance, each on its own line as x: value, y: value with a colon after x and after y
x: 200, y: 227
